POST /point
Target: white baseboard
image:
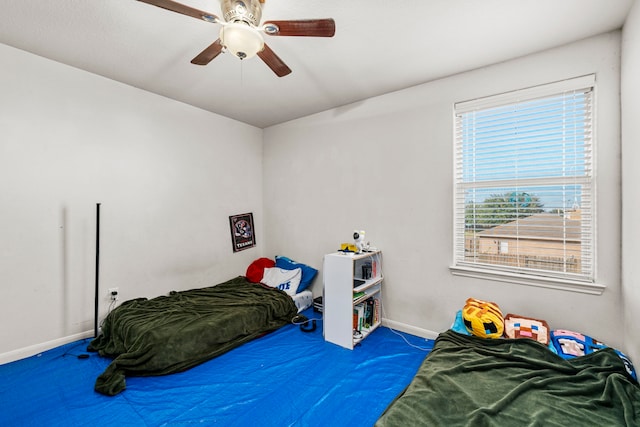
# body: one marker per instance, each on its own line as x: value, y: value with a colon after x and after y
x: 21, y: 353
x: 409, y: 329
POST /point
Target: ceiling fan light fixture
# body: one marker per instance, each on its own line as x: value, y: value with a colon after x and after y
x: 241, y: 39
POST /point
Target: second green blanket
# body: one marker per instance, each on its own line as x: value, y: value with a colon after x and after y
x: 471, y: 381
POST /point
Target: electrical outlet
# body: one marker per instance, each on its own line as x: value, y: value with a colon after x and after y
x: 113, y: 294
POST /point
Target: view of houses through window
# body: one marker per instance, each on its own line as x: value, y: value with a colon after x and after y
x: 523, y: 189
x: 542, y: 241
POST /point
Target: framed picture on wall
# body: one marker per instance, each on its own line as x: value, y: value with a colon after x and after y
x: 243, y: 235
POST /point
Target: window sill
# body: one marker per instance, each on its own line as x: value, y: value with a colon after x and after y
x: 530, y: 280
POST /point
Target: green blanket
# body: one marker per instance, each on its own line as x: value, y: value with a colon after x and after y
x: 470, y: 381
x: 172, y: 333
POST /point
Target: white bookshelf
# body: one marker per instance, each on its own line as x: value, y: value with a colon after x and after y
x: 340, y: 271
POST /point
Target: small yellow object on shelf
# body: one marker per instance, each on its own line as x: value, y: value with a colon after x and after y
x: 348, y: 247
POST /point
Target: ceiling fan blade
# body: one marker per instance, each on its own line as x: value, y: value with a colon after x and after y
x: 183, y: 9
x: 208, y: 54
x: 301, y: 27
x: 274, y: 62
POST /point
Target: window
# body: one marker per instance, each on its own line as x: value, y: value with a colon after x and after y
x: 523, y: 186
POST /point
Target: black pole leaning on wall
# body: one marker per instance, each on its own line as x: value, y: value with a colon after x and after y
x: 95, y: 314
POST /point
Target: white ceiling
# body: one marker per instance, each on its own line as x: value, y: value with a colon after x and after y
x: 380, y: 46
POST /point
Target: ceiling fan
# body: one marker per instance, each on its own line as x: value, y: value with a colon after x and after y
x: 241, y: 34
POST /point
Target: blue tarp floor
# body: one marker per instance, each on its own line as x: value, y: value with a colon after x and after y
x: 285, y: 378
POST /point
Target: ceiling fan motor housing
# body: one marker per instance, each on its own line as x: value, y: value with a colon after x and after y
x: 249, y: 11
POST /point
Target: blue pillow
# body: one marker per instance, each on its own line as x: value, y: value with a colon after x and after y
x: 573, y: 344
x: 308, y: 273
x: 458, y: 324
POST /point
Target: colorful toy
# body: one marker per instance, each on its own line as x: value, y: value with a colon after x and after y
x: 482, y: 318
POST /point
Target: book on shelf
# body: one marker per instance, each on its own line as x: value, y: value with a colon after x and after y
x: 368, y: 313
x: 358, y: 316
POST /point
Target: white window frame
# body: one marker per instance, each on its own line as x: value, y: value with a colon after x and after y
x: 583, y: 282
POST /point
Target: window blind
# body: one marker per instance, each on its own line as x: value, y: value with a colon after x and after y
x: 524, y: 181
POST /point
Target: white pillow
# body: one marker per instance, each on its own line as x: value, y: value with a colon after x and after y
x: 285, y: 280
